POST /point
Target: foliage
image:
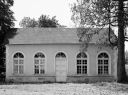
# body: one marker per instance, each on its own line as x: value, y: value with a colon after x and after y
x: 95, y: 14
x: 92, y: 13
x: 46, y: 21
x: 28, y: 22
x: 6, y: 23
x: 6, y: 18
x: 43, y: 21
x: 98, y: 13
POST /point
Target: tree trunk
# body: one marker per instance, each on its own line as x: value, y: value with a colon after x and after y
x: 121, y: 73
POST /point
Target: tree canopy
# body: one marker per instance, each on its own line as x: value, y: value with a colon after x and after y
x: 6, y: 18
x: 43, y: 21
x: 28, y: 22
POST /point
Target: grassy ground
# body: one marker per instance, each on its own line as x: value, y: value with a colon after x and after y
x: 103, y: 88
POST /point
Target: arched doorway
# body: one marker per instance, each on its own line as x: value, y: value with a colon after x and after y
x: 61, y: 67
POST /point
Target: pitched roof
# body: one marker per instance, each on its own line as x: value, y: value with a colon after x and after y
x: 49, y: 36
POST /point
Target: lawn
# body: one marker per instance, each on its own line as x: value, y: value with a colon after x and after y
x: 103, y: 88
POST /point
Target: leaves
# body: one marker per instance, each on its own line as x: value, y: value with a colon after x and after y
x: 6, y: 23
x: 43, y: 21
x: 28, y: 22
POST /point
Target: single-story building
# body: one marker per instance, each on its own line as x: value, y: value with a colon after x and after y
x: 55, y: 55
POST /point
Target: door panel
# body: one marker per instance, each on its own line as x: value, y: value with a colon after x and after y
x: 61, y: 73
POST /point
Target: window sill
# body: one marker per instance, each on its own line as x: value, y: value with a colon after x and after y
x: 105, y: 75
x: 18, y: 74
x: 78, y: 75
x: 42, y: 75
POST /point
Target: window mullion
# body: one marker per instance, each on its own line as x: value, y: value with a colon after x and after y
x: 103, y: 66
x: 81, y: 66
x: 39, y: 65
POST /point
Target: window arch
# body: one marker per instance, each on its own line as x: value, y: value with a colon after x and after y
x: 60, y: 55
x: 18, y: 62
x: 39, y: 63
x: 103, y: 63
x: 81, y: 63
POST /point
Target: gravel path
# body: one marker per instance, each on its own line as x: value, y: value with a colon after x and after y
x: 64, y: 89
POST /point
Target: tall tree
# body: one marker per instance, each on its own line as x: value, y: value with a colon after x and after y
x: 121, y: 39
x: 105, y: 13
x: 6, y: 23
x: 6, y: 18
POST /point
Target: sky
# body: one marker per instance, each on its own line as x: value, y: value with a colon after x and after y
x: 35, y: 8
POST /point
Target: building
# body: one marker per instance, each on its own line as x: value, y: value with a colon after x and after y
x: 54, y: 55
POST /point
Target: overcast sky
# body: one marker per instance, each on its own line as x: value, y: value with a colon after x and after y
x: 34, y: 8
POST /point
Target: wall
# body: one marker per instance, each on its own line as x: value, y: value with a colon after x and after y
x: 50, y: 52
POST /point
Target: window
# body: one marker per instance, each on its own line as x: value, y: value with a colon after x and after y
x: 39, y: 63
x: 61, y: 55
x: 82, y: 63
x: 103, y: 63
x: 18, y: 61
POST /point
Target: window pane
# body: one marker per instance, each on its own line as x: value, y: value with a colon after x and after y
x: 15, y: 69
x: 39, y: 55
x: 82, y: 55
x: 78, y: 69
x: 61, y: 55
x: 20, y: 61
x: 100, y: 62
x: 42, y: 61
x: 84, y: 70
x: 36, y: 61
x: 20, y: 55
x: 100, y: 69
x: 105, y: 61
x: 105, y: 69
x: 103, y: 55
x: 78, y: 62
x: 20, y: 69
x: 84, y: 61
x: 42, y: 69
x: 36, y: 69
x: 16, y: 55
x: 15, y: 61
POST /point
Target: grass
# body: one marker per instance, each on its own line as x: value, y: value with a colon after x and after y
x: 99, y: 88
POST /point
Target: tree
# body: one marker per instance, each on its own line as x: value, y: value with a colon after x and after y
x: 121, y: 39
x: 43, y: 21
x: 28, y: 22
x: 6, y: 18
x: 46, y: 21
x: 6, y: 23
x: 105, y: 13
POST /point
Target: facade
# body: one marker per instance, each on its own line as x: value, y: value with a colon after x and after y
x: 54, y: 55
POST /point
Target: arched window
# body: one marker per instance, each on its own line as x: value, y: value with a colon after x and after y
x: 18, y: 61
x: 103, y: 63
x: 39, y: 63
x: 82, y: 63
x: 60, y: 55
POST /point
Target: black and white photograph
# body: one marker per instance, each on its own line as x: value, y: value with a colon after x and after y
x: 63, y: 47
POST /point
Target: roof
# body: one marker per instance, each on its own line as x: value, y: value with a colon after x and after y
x: 49, y: 36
